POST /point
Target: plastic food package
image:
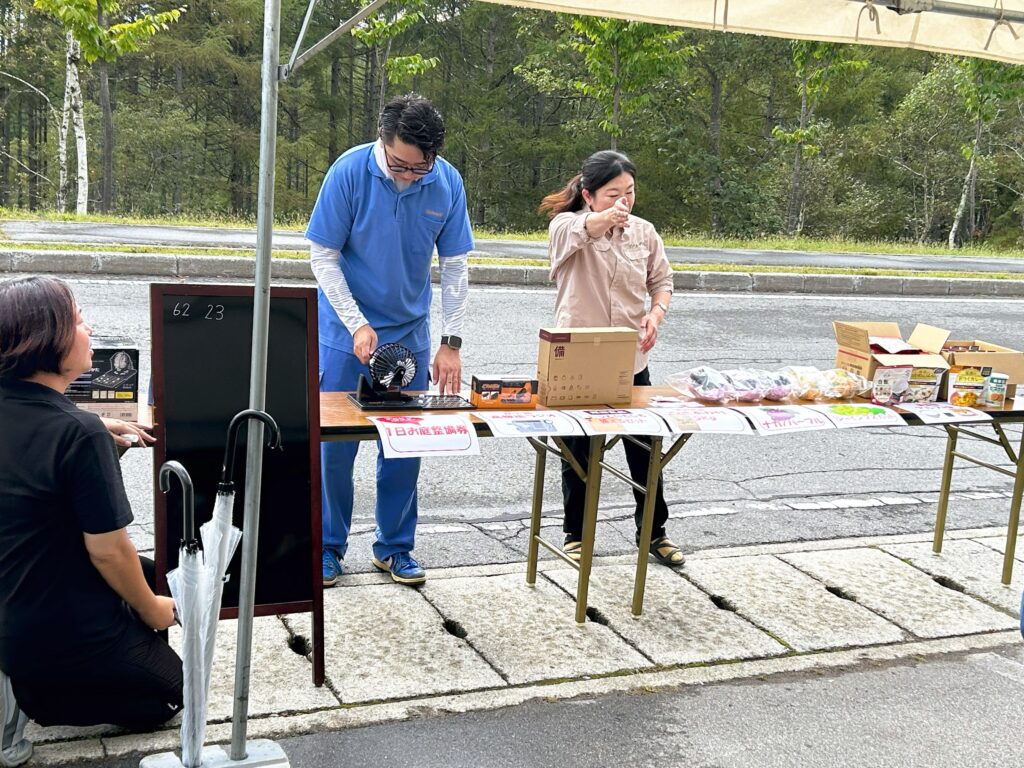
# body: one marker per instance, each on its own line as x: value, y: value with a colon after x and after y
x: 838, y: 384
x: 807, y: 381
x: 775, y: 385
x: 703, y: 383
x: 747, y: 383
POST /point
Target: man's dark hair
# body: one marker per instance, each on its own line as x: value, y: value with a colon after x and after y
x: 37, y: 326
x: 415, y: 121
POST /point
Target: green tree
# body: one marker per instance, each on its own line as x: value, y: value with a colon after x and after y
x: 623, y: 59
x: 102, y: 41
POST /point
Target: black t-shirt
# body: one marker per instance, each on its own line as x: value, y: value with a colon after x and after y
x: 59, y: 478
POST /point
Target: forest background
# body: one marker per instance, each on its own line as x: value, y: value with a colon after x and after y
x: 152, y: 109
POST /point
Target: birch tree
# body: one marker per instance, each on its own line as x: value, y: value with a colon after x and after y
x: 100, y: 42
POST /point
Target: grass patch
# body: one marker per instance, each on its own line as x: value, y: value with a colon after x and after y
x: 180, y: 220
x: 869, y: 271
x: 840, y: 245
x: 177, y: 250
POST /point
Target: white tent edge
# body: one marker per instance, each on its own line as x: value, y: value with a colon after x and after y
x: 967, y: 28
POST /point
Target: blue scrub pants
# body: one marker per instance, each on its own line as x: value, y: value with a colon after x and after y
x: 396, y: 510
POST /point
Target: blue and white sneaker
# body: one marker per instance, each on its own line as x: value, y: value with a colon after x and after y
x: 403, y: 568
x: 15, y: 749
x: 334, y: 567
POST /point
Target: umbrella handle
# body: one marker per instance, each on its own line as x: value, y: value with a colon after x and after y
x: 273, y: 438
x: 188, y: 516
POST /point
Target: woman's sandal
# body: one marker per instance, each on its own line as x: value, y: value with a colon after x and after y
x: 666, y: 552
x: 574, y: 549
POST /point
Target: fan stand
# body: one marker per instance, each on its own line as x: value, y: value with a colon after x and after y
x: 373, y: 394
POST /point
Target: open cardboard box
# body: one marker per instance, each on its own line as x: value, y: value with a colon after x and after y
x: 866, y: 347
x: 988, y: 355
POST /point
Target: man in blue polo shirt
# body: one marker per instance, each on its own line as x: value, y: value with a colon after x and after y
x: 382, y: 210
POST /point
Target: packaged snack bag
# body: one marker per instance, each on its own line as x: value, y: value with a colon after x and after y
x: 703, y: 383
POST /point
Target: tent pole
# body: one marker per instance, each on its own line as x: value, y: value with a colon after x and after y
x: 258, y: 373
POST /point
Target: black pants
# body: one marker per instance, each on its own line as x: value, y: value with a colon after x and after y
x: 136, y: 684
x: 574, y: 490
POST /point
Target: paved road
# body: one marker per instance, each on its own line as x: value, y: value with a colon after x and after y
x: 944, y: 712
x: 714, y: 473
x: 84, y: 232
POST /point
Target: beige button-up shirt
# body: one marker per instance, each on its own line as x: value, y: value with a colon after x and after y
x: 606, y: 282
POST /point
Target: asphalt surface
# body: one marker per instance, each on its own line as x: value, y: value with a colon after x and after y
x: 961, y: 710
x: 85, y: 232
x: 721, y: 473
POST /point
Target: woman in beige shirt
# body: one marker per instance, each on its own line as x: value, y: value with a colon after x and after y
x: 606, y: 262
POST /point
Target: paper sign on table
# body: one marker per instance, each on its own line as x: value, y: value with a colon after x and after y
x: 704, y: 419
x: 779, y: 419
x: 624, y: 421
x: 944, y: 413
x: 845, y: 415
x: 530, y: 423
x: 405, y: 437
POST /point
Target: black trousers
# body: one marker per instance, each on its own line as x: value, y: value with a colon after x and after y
x: 574, y: 490
x: 137, y: 684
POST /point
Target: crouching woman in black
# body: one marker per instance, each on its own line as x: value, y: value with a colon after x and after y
x: 79, y: 620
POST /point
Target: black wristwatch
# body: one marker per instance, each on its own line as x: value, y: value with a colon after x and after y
x: 455, y: 342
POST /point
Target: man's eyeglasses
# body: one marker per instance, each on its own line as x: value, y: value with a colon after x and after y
x: 399, y: 168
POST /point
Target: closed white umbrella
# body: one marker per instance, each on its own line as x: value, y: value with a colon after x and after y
x: 187, y: 584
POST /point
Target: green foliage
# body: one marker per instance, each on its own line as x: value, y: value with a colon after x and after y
x: 98, y: 41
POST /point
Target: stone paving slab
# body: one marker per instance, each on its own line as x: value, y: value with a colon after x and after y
x: 530, y: 633
x: 973, y: 565
x: 387, y: 642
x: 998, y: 543
x: 900, y: 592
x: 790, y: 604
x: 279, y: 680
x: 680, y: 624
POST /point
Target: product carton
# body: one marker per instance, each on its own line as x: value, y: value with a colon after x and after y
x: 984, y: 354
x: 865, y: 348
x: 586, y: 366
x: 503, y: 392
x: 110, y: 389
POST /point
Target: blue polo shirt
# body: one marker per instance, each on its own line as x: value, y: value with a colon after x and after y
x: 387, y: 240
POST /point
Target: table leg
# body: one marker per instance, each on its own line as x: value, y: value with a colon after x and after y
x: 533, y: 549
x: 947, y: 481
x: 1014, y: 522
x: 589, y: 525
x: 647, y: 524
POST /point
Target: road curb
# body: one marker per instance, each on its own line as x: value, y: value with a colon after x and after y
x: 186, y: 267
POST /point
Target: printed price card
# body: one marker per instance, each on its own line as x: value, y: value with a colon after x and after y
x: 530, y: 423
x: 780, y: 419
x: 405, y: 437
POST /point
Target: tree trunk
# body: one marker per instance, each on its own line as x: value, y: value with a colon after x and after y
x: 74, y: 89
x: 616, y: 98
x: 103, y: 75
x: 715, y: 140
x: 107, y: 188
x: 966, y: 189
x: 793, y: 210
x: 33, y: 159
x: 332, y: 110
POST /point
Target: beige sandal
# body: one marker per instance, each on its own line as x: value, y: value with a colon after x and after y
x: 574, y: 549
x: 666, y: 552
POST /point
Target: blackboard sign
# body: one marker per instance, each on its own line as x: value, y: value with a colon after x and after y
x: 202, y: 352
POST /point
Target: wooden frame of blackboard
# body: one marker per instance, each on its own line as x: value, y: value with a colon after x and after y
x: 166, y: 546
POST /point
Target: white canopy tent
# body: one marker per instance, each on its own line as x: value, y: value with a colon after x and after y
x: 982, y: 28
x: 979, y: 28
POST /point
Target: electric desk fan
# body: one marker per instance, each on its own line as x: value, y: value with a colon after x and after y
x: 393, y: 366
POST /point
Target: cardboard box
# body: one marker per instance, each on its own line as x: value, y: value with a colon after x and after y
x: 110, y: 389
x: 865, y: 346
x: 503, y: 392
x: 984, y: 354
x: 586, y: 366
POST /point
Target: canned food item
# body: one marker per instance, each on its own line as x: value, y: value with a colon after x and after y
x: 995, y: 390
